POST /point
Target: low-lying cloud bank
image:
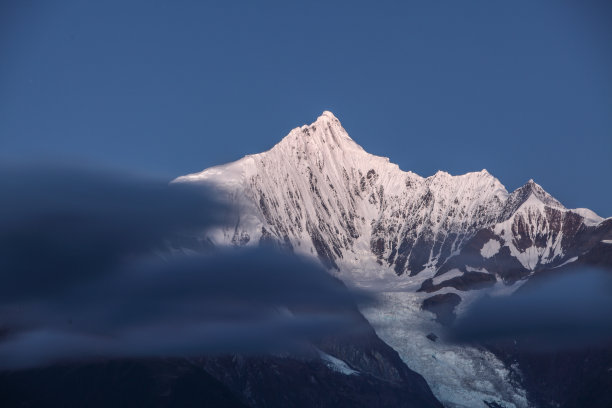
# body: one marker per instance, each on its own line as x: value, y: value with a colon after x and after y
x: 562, y: 310
x: 86, y: 271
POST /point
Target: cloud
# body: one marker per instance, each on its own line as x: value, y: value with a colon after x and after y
x: 89, y: 268
x: 79, y: 222
x: 562, y: 310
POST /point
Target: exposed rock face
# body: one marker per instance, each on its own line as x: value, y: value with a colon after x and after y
x: 540, y: 240
x: 467, y: 281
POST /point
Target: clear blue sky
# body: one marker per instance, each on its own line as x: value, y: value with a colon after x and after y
x: 521, y: 88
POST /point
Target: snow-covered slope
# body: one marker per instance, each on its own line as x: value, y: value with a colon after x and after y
x: 318, y: 193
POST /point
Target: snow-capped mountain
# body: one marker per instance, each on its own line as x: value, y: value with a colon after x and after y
x: 318, y: 193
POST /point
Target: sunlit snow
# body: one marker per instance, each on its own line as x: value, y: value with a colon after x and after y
x: 490, y: 248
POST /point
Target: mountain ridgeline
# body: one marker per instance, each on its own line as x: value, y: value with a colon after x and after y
x: 318, y: 192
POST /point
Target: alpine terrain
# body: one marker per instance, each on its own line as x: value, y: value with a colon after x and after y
x: 428, y: 246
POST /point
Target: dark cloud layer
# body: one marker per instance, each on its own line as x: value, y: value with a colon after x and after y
x: 562, y: 310
x: 87, y: 270
x: 79, y: 222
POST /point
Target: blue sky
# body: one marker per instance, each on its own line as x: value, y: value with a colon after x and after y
x: 523, y: 89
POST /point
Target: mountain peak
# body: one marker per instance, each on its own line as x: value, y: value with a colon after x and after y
x: 328, y: 114
x: 326, y: 118
x: 326, y: 130
x: 531, y: 190
x: 534, y: 188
